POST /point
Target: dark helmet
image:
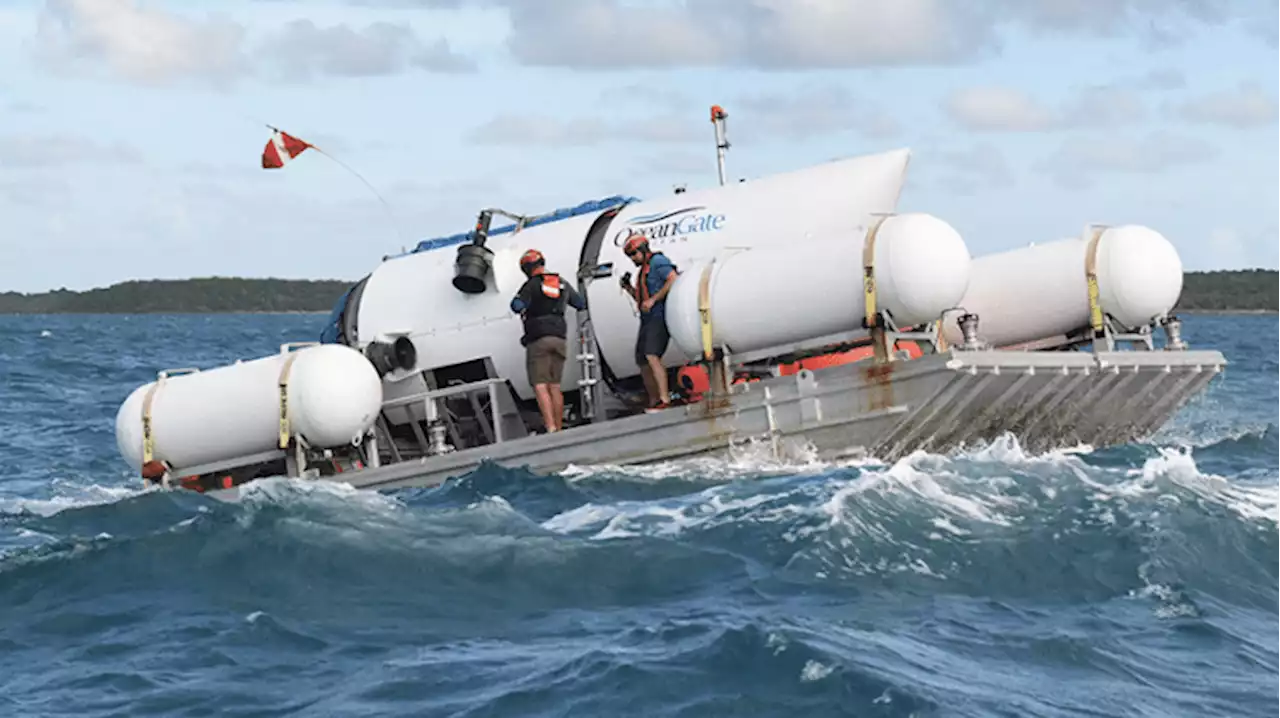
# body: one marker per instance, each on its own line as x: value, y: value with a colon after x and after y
x: 531, y: 260
x: 634, y: 242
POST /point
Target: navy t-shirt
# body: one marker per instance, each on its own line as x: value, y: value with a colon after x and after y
x: 659, y: 269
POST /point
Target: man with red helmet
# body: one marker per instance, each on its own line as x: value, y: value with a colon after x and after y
x: 657, y: 273
x: 540, y: 303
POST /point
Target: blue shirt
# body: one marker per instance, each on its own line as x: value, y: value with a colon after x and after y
x: 660, y: 267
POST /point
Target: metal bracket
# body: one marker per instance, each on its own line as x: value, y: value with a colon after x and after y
x: 885, y: 335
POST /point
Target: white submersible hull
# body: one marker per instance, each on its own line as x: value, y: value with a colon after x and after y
x: 807, y: 316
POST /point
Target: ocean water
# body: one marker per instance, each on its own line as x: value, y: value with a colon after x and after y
x: 1131, y: 581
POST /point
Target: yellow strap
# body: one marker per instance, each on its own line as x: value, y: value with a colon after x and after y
x: 1091, y: 276
x: 704, y: 310
x: 869, y: 270
x: 942, y: 338
x: 148, y: 439
x: 283, y: 383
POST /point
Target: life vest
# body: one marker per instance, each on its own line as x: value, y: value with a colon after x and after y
x: 644, y: 274
x: 544, y: 317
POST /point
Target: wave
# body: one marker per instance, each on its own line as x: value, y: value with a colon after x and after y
x: 1075, y: 525
x: 785, y: 586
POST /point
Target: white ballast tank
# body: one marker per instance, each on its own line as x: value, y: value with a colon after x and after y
x: 1042, y: 291
x: 333, y: 392
x: 769, y: 297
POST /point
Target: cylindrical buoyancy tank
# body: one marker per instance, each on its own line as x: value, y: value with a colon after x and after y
x: 333, y: 395
x: 1042, y: 291
x: 763, y: 298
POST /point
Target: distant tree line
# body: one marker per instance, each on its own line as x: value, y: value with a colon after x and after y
x: 211, y: 295
x: 1248, y: 289
x: 1236, y: 290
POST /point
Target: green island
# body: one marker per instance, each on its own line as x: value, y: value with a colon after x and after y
x: 210, y: 295
x: 1249, y: 290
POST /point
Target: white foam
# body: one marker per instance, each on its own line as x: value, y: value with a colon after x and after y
x: 904, y: 479
x: 1251, y: 502
x: 1006, y: 449
x: 69, y: 495
x: 814, y: 671
x: 280, y: 490
x: 673, y: 516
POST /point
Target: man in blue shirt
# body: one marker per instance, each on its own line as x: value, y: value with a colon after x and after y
x: 657, y: 274
x: 540, y: 303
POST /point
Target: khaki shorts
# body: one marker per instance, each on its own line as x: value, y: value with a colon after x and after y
x: 544, y: 360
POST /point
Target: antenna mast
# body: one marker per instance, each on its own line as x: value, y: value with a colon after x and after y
x: 718, y: 116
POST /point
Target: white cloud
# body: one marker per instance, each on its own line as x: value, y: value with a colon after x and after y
x: 1232, y: 248
x: 1003, y: 109
x: 301, y: 50
x: 1243, y: 107
x: 1110, y: 17
x: 538, y: 129
x: 183, y: 226
x: 24, y: 107
x: 50, y: 150
x: 1163, y: 79
x: 531, y: 129
x: 807, y: 112
x: 138, y: 43
x: 790, y: 34
x: 802, y: 113
x: 36, y: 191
x: 1081, y: 157
x: 1102, y: 106
x: 998, y: 109
x: 982, y: 165
x: 148, y: 45
x: 607, y: 34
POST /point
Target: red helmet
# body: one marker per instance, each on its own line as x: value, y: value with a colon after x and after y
x: 531, y: 259
x: 634, y: 242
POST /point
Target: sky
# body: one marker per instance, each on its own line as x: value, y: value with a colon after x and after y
x: 131, y: 131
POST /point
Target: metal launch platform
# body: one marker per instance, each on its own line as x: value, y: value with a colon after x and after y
x: 1084, y: 390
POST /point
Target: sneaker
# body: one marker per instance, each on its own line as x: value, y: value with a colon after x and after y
x: 658, y: 407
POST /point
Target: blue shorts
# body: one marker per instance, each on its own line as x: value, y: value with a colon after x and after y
x: 652, y: 340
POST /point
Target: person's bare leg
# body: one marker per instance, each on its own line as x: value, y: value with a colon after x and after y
x: 557, y: 405
x: 650, y: 386
x: 543, y: 392
x: 659, y: 378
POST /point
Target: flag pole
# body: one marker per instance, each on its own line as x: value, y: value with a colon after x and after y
x: 390, y: 214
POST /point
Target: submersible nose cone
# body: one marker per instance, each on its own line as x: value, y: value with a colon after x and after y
x: 471, y: 268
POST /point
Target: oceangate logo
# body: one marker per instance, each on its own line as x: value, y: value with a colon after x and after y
x: 671, y: 226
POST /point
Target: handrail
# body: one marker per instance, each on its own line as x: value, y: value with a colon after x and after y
x: 441, y: 393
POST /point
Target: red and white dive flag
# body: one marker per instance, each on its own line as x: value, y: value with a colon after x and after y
x: 280, y: 149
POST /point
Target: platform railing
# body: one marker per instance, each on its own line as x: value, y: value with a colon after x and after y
x: 433, y: 442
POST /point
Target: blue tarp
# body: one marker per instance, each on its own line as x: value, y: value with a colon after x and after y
x: 589, y: 207
x: 333, y: 325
